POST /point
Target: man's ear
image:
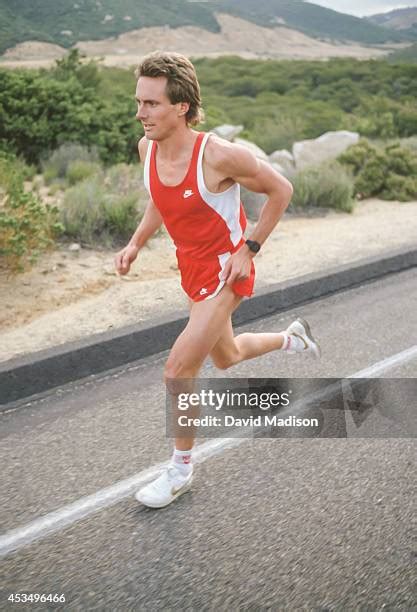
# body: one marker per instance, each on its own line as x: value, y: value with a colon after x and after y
x: 183, y: 108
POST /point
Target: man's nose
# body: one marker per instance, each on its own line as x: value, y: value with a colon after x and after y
x: 140, y: 115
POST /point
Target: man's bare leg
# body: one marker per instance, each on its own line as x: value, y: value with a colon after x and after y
x: 193, y: 345
x: 209, y: 332
x: 230, y: 350
x: 205, y: 326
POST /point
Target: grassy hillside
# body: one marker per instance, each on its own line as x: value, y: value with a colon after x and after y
x: 311, y: 19
x: 67, y: 21
x: 401, y: 20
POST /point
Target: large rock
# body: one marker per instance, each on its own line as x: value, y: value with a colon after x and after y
x: 228, y: 132
x: 251, y: 146
x: 285, y: 160
x: 328, y: 146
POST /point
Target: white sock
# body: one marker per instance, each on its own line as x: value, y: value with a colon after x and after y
x: 182, y: 461
x: 292, y: 343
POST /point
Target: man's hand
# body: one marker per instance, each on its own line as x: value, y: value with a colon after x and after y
x: 125, y: 257
x: 238, y: 266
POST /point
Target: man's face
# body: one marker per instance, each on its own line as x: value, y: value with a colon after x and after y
x: 158, y: 116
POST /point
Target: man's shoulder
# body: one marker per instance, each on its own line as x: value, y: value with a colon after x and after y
x: 221, y: 154
x: 217, y: 151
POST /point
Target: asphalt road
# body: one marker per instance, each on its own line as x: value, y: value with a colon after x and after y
x: 280, y: 524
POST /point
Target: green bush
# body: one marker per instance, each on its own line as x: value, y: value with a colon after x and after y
x: 121, y: 216
x: 27, y: 226
x: 277, y: 102
x: 105, y: 209
x: 402, y: 188
x: 56, y: 167
x: 389, y: 173
x: 280, y: 133
x: 65, y: 107
x: 13, y: 170
x: 124, y: 179
x: 80, y: 170
x: 324, y: 186
x: 82, y: 211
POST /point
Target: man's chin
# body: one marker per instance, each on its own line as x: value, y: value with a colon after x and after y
x: 152, y: 134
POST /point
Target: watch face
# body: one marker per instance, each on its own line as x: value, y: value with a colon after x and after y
x: 253, y: 245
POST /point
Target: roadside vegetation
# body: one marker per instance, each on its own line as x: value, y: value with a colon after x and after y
x: 27, y: 225
x: 72, y: 131
x: 324, y: 186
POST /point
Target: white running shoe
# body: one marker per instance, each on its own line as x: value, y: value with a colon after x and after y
x: 301, y: 329
x: 165, y: 489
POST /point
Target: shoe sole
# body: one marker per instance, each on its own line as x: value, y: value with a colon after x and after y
x: 309, y: 335
x: 183, y: 490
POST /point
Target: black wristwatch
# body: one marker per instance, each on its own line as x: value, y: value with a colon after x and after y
x: 253, y: 245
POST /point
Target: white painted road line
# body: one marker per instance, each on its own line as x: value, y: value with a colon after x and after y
x: 15, y: 539
x: 387, y: 364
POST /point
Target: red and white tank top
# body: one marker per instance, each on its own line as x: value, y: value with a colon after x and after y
x: 202, y: 224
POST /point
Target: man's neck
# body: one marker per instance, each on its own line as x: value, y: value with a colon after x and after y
x: 180, y: 140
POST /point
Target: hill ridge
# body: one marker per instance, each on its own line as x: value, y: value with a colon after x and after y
x: 67, y: 22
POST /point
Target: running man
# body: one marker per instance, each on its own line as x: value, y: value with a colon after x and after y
x: 193, y: 182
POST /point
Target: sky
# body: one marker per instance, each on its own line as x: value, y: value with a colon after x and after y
x: 360, y: 8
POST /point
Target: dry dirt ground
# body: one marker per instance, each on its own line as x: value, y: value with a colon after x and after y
x: 237, y: 36
x: 71, y: 295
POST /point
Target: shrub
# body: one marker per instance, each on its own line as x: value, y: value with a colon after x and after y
x: 124, y: 178
x: 13, y: 170
x: 79, y: 170
x: 402, y: 188
x: 327, y: 185
x: 56, y: 167
x: 82, y: 210
x: 104, y: 209
x: 279, y: 133
x: 121, y: 216
x: 370, y: 179
x: 357, y: 155
x: 389, y: 172
x: 27, y: 226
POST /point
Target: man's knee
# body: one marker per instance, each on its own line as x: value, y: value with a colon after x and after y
x: 178, y: 375
x: 178, y: 366
x: 225, y: 361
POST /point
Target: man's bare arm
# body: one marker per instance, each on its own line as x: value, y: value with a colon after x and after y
x: 151, y: 220
x: 258, y: 176
x: 236, y: 162
x: 150, y: 223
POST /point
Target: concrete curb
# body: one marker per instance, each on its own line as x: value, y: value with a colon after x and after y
x: 37, y: 372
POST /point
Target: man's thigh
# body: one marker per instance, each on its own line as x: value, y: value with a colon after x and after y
x: 208, y: 321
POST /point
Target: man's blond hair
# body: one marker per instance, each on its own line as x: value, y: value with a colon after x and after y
x: 182, y: 83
